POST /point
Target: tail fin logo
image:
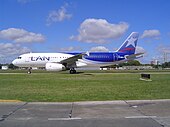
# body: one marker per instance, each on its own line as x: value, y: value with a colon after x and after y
x: 129, y: 44
x: 131, y: 41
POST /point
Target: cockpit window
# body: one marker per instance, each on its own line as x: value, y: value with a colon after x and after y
x: 19, y: 57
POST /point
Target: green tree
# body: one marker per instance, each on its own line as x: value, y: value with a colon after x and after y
x: 166, y: 65
x: 130, y: 63
x: 11, y: 66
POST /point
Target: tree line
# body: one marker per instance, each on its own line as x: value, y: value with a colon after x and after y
x: 10, y: 66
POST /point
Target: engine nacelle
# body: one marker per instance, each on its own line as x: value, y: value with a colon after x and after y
x: 54, y: 67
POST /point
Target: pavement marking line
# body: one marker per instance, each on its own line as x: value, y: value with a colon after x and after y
x: 75, y: 118
x: 26, y: 118
x: 138, y: 117
x: 99, y: 102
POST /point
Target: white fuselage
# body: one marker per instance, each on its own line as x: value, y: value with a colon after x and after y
x: 40, y: 60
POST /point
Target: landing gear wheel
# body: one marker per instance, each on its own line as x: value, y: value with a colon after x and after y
x: 29, y: 70
x: 72, y: 71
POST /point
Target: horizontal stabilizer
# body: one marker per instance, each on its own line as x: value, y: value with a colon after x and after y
x: 135, y: 56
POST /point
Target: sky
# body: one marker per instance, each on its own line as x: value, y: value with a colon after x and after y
x: 83, y: 25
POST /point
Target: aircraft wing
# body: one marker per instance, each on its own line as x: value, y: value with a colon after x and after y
x: 71, y: 62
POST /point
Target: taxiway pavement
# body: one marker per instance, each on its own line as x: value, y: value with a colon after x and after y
x: 141, y: 113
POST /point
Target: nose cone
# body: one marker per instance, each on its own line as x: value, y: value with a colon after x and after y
x: 14, y: 62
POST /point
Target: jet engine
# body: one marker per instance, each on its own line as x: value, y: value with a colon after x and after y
x: 54, y: 67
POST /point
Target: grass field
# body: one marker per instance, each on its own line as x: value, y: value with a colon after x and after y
x: 88, y: 86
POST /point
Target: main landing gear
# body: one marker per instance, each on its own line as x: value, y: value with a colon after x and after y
x: 29, y: 70
x: 72, y: 71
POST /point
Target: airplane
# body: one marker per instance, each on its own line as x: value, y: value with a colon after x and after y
x: 71, y: 60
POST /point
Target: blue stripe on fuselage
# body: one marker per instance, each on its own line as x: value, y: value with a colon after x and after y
x: 102, y: 56
x: 105, y: 57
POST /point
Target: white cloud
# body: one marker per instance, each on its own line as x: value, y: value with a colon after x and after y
x: 99, y: 31
x: 140, y: 50
x: 21, y: 36
x: 58, y: 15
x: 99, y: 49
x: 10, y: 49
x: 71, y: 48
x: 155, y: 34
x: 164, y: 49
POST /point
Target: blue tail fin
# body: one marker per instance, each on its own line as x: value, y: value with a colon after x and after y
x: 129, y: 46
